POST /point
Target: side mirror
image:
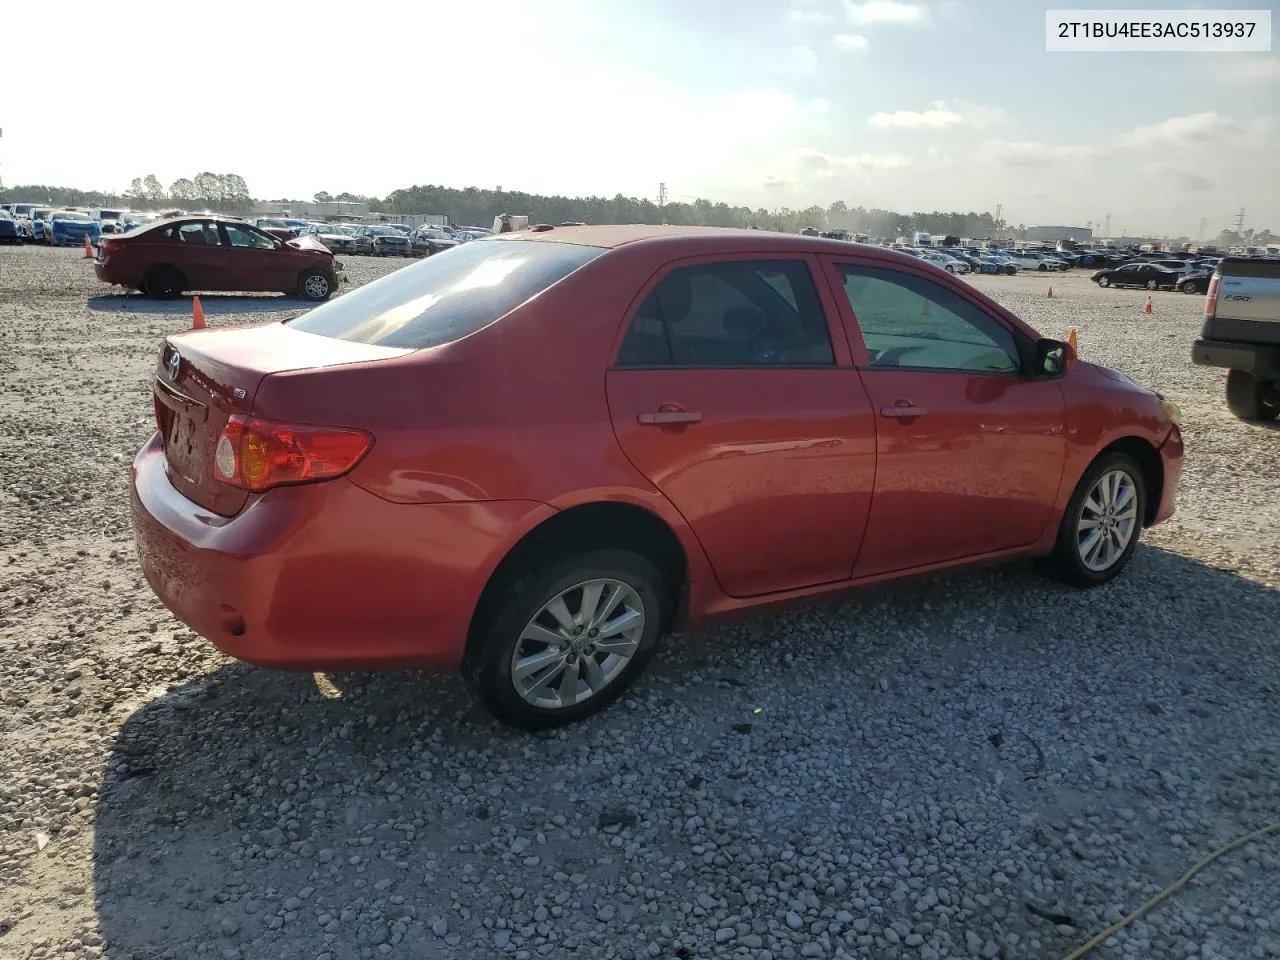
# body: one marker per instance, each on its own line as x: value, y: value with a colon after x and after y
x: 1053, y: 358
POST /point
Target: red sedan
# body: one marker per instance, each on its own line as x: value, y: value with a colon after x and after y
x: 164, y: 259
x: 535, y: 455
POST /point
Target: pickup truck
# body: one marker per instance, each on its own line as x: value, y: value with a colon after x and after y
x: 1242, y: 333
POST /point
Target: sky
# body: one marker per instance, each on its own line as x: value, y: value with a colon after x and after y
x: 903, y: 104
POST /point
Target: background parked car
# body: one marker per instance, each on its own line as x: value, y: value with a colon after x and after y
x: 334, y: 236
x: 433, y: 240
x: 1147, y: 275
x: 276, y: 227
x: 216, y: 253
x: 67, y: 227
x: 35, y: 223
x: 9, y: 229
x: 385, y: 241
x: 109, y: 220
x: 1195, y: 283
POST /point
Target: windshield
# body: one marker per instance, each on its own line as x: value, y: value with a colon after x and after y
x: 384, y: 232
x: 110, y: 214
x: 69, y: 215
x: 436, y: 235
x: 442, y: 299
x: 272, y: 223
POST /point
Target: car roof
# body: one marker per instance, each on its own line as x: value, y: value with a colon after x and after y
x: 693, y: 241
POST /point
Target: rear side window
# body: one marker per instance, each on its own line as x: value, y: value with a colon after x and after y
x: 448, y: 296
x: 740, y: 313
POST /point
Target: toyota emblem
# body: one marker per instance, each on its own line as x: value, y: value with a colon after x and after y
x: 175, y: 363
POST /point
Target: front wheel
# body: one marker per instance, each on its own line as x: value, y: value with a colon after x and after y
x: 1100, y: 527
x: 1043, y: 268
x: 1104, y: 281
x: 1250, y: 397
x: 315, y: 285
x: 565, y: 640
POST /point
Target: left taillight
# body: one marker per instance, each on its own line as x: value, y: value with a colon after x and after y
x: 108, y: 246
x: 256, y: 454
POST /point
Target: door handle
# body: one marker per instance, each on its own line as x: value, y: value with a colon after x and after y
x: 902, y: 409
x: 662, y: 418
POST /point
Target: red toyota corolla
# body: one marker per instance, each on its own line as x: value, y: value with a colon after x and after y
x: 534, y: 455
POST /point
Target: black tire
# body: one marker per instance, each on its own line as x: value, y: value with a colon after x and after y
x: 1065, y: 563
x: 1252, y: 398
x: 488, y: 664
x: 1011, y: 271
x: 1153, y: 284
x: 1104, y: 281
x: 1043, y: 268
x: 950, y: 269
x: 315, y: 285
x: 163, y: 283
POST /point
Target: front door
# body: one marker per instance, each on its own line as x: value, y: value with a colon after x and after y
x: 970, y: 450
x: 730, y: 394
x: 253, y: 260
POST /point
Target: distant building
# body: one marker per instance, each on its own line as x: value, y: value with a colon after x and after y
x: 1052, y: 234
x: 309, y: 208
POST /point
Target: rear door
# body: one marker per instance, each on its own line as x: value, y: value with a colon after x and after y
x: 732, y: 393
x: 200, y: 254
x: 254, y: 260
x: 970, y: 451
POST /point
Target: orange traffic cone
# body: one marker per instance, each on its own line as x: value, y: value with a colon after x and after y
x: 1050, y: 293
x: 88, y: 248
x: 1071, y: 338
x: 197, y: 314
x: 1146, y: 307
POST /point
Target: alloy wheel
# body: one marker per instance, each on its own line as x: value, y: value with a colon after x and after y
x: 1107, y: 521
x: 578, y: 643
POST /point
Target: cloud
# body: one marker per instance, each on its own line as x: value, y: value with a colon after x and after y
x: 851, y: 41
x: 885, y: 11
x: 1028, y: 153
x: 805, y: 57
x: 1251, y: 70
x: 1182, y: 179
x: 815, y: 163
x: 806, y: 17
x: 940, y: 117
x: 775, y: 183
x: 1183, y: 131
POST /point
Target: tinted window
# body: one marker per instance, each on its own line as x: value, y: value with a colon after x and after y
x: 908, y: 321
x: 442, y: 299
x: 737, y: 314
x: 198, y: 233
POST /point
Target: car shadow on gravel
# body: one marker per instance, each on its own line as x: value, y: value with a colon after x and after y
x: 263, y: 814
x: 213, y: 304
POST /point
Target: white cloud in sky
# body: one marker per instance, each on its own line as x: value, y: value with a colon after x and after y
x: 885, y: 11
x: 850, y: 41
x: 939, y: 117
x: 1181, y: 131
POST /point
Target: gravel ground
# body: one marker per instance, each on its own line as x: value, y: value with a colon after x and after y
x: 983, y: 764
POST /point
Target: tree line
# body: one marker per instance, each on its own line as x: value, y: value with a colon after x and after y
x: 229, y: 193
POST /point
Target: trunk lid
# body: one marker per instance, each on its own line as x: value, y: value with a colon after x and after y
x: 204, y: 376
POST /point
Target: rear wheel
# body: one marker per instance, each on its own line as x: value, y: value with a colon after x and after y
x: 164, y: 283
x: 565, y: 641
x: 1251, y: 397
x: 1101, y: 524
x: 1152, y: 284
x: 315, y: 285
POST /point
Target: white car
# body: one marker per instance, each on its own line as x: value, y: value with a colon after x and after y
x: 949, y: 264
x: 1030, y: 260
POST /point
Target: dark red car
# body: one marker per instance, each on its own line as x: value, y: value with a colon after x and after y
x: 534, y: 455
x: 165, y: 259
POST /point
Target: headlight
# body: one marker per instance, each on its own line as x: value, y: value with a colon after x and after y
x: 1172, y: 411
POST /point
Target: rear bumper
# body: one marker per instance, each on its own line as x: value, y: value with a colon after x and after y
x: 1257, y: 358
x: 322, y: 576
x: 1171, y: 452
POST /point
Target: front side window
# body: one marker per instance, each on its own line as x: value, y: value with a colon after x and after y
x: 239, y: 236
x: 910, y: 322
x: 741, y: 313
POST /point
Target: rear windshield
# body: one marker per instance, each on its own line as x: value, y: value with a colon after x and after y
x: 448, y: 296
